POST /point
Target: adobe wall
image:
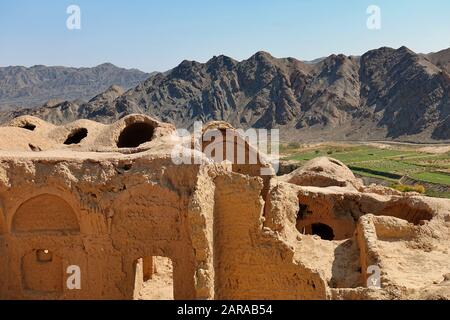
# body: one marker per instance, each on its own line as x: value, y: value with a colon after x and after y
x: 201, y: 218
x: 251, y: 262
x: 388, y: 231
x: 51, y: 220
x: 85, y: 213
x: 225, y: 237
x: 229, y: 232
x: 3, y: 257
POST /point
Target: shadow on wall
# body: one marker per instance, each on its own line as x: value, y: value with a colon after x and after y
x: 406, y: 211
x: 335, y: 219
x: 325, y: 232
x: 317, y: 218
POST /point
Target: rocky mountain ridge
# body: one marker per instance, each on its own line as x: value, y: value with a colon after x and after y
x: 29, y: 87
x: 389, y: 94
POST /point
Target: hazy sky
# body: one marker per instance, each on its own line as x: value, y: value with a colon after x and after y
x: 156, y: 35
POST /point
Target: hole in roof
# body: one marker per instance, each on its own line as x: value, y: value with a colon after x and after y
x: 28, y: 126
x: 76, y: 136
x: 135, y: 134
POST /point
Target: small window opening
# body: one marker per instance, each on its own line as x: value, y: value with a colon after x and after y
x: 44, y: 255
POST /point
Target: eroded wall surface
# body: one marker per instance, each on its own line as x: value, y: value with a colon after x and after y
x: 107, y: 209
x: 97, y: 216
x: 250, y: 261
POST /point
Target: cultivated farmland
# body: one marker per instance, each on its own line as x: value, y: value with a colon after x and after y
x: 393, y: 163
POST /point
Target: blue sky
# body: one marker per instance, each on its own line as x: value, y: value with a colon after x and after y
x: 156, y: 35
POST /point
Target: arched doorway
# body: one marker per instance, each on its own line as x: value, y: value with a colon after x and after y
x: 325, y: 232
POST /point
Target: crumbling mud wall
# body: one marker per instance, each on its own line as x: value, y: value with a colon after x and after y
x: 201, y: 217
x: 84, y: 213
x: 404, y: 237
x: 250, y: 261
x: 223, y: 144
x: 3, y: 257
x: 107, y: 200
x: 130, y: 134
x: 43, y: 237
x: 151, y: 221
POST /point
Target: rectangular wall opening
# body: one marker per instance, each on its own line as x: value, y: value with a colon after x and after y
x: 153, y: 279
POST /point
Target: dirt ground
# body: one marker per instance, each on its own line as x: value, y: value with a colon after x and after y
x: 160, y: 287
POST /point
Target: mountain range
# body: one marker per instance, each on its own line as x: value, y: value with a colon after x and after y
x: 29, y: 87
x: 385, y: 94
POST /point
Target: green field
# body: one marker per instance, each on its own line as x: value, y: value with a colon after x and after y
x: 388, y: 164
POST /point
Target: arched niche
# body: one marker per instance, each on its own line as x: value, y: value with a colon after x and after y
x: 42, y: 272
x: 228, y: 144
x: 45, y: 213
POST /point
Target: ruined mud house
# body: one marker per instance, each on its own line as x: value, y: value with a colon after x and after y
x: 110, y: 200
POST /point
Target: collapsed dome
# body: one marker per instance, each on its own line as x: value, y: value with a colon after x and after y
x: 323, y: 172
x: 25, y: 122
x: 76, y: 136
x: 135, y: 134
x: 220, y: 141
x: 30, y: 124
